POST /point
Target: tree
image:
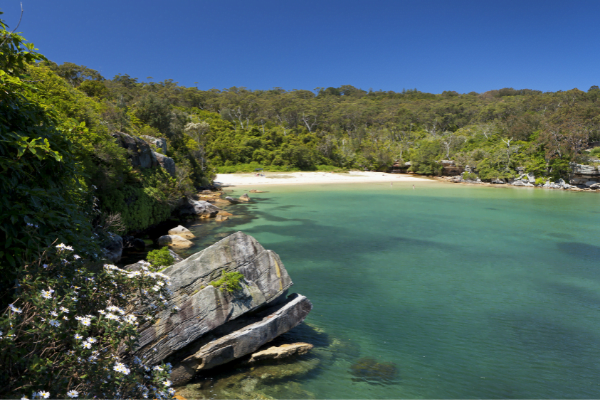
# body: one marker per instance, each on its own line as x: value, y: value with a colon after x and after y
x: 197, y: 130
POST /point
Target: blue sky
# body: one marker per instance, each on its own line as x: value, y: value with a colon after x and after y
x: 430, y: 45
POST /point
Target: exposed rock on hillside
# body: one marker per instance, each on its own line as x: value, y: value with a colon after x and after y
x: 584, y: 175
x: 141, y: 155
x: 240, y: 322
x: 113, y: 247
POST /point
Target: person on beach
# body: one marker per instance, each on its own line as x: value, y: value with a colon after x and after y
x: 413, y: 187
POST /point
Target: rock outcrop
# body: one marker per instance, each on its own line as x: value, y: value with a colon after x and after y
x: 182, y: 231
x: 244, y: 198
x: 174, y: 241
x: 204, y: 307
x: 166, y: 162
x: 140, y: 154
x: 200, y: 208
x: 216, y: 351
x: 160, y: 143
x: 584, y: 175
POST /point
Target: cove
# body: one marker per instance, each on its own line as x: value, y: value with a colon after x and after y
x: 468, y: 292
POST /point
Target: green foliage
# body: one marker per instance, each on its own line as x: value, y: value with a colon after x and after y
x: 540, y: 181
x: 595, y: 152
x: 160, y: 258
x: 469, y: 176
x: 424, y: 158
x: 229, y: 282
x: 68, y: 328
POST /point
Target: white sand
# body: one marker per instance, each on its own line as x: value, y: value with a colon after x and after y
x: 297, y: 178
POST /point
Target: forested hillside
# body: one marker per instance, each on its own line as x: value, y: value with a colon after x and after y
x: 347, y: 127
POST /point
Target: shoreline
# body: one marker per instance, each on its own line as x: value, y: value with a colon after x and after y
x: 310, y: 178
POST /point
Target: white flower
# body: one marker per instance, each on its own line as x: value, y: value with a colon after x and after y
x: 65, y: 318
x: 102, y: 312
x: 86, y: 321
x: 54, y: 313
x: 86, y: 345
x: 75, y: 256
x: 62, y: 246
x: 92, y: 340
x: 44, y: 395
x: 45, y: 265
x: 120, y: 367
x: 156, y: 288
x: 167, y: 383
x: 157, y: 368
x: 24, y: 398
x: 115, y: 309
x: 15, y: 309
x: 176, y: 308
x: 112, y: 316
x: 54, y: 322
x: 46, y: 294
x: 171, y: 391
x: 73, y: 393
x: 131, y: 319
x: 65, y: 310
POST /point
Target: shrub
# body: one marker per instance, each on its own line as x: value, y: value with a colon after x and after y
x: 69, y: 331
x: 229, y: 282
x: 160, y: 258
x: 540, y: 181
x: 469, y: 176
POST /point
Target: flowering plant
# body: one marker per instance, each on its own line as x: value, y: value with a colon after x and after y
x: 72, y: 327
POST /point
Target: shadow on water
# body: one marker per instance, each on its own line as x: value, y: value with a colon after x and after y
x: 560, y: 235
x: 580, y: 250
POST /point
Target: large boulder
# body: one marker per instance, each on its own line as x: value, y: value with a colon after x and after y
x: 175, y: 241
x: 182, y: 231
x: 203, y: 307
x: 199, y: 208
x: 112, y: 247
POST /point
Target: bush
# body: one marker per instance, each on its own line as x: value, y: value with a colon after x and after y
x: 70, y: 331
x: 540, y: 181
x: 229, y: 282
x: 160, y: 258
x: 469, y: 176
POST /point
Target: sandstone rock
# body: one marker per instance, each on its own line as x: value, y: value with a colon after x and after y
x: 166, y: 162
x: 224, y: 213
x: 181, y: 231
x: 204, y: 307
x: 231, y: 200
x: 257, y: 191
x: 518, y: 183
x: 278, y: 352
x: 221, y: 218
x: 244, y: 198
x: 498, y: 181
x: 595, y: 186
x: 275, y: 321
x: 199, y: 208
x: 590, y: 183
x: 174, y: 241
x: 112, y: 248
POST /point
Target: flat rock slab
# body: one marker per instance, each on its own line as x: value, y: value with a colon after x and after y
x: 275, y: 321
x: 279, y: 352
x: 203, y: 307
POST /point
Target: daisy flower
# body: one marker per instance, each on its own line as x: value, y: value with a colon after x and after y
x: 73, y: 393
x: 54, y: 322
x: 15, y: 309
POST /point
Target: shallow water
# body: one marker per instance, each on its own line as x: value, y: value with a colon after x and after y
x: 472, y: 292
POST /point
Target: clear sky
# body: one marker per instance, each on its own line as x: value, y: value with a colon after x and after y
x: 430, y: 45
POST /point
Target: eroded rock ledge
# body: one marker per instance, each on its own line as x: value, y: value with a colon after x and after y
x: 214, y: 326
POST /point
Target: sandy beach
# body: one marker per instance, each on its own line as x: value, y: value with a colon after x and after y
x: 299, y: 178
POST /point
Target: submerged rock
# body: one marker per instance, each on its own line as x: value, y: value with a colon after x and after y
x: 244, y: 198
x: 203, y: 308
x: 369, y: 370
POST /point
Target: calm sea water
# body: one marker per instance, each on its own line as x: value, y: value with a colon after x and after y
x: 470, y: 292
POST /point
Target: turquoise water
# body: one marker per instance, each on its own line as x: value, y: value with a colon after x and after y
x: 472, y: 292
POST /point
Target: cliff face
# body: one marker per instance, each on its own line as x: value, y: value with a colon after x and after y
x: 237, y: 315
